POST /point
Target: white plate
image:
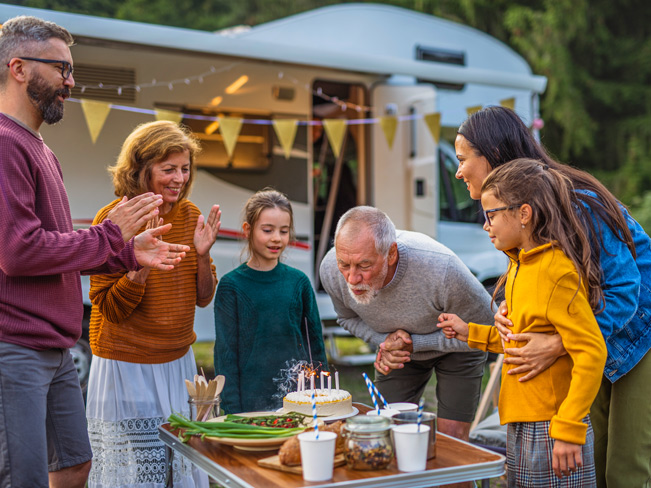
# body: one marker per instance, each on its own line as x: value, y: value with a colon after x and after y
x: 248, y: 444
x: 331, y: 418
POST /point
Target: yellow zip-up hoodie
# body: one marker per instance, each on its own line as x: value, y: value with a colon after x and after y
x: 541, y: 293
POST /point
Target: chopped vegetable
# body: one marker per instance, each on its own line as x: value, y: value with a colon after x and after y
x: 287, y: 421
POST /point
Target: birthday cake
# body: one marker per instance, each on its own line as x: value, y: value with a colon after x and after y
x: 328, y: 402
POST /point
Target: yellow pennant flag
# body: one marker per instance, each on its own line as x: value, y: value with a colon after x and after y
x: 389, y: 125
x: 508, y: 103
x: 286, y: 132
x: 472, y: 110
x: 230, y: 129
x: 433, y: 122
x: 335, y: 129
x: 95, y: 113
x: 170, y: 115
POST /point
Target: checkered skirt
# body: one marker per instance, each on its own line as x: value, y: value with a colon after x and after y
x: 529, y: 458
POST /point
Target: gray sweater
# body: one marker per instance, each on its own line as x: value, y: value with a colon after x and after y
x: 429, y: 280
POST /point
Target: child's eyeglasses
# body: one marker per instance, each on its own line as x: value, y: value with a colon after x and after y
x: 65, y: 68
x: 499, y: 209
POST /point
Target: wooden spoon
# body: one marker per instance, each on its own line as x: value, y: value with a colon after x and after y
x: 191, y: 389
x: 219, y: 381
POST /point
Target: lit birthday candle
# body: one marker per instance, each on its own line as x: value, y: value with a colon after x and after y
x: 322, y: 376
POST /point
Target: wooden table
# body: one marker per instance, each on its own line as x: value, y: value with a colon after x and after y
x: 455, y: 461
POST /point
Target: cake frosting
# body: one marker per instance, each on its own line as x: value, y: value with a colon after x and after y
x: 328, y: 402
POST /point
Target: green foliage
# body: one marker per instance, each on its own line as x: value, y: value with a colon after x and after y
x: 641, y: 211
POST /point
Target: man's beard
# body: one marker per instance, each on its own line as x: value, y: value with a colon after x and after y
x: 46, y: 99
x: 372, y: 289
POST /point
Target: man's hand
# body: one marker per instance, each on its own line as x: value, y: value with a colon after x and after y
x: 394, y: 352
x: 206, y: 233
x: 131, y: 215
x: 538, y: 354
x: 154, y: 253
x: 566, y: 458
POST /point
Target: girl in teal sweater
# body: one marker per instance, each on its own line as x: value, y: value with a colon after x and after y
x: 264, y: 311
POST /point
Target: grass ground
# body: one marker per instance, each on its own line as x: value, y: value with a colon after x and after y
x: 350, y: 378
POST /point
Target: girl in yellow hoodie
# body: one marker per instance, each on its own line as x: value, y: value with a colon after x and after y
x: 550, y: 287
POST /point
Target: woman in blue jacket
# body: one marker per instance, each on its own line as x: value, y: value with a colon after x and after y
x: 621, y: 413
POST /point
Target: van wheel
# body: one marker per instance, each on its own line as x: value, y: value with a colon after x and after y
x: 82, y: 356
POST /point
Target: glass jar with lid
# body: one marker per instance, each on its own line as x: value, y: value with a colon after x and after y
x: 367, y: 442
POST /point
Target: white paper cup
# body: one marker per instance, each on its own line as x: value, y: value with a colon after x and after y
x: 384, y: 412
x: 411, y: 446
x: 403, y: 406
x: 428, y: 418
x: 317, y: 455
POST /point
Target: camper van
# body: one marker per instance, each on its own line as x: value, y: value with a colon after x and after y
x: 360, y: 63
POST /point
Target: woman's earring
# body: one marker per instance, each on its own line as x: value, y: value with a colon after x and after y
x: 523, y: 226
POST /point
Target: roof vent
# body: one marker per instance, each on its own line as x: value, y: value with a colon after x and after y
x: 110, y: 78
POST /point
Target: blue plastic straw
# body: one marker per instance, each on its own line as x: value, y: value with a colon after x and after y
x: 377, y: 392
x: 370, y: 387
x: 316, y: 422
x: 421, y: 404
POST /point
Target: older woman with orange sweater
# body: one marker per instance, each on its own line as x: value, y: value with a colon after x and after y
x: 141, y: 325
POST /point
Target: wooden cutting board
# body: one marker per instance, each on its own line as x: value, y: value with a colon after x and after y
x: 273, y: 462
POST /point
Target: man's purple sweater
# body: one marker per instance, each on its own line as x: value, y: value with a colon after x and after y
x: 41, y: 257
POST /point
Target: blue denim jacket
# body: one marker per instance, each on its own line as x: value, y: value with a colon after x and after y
x: 626, y: 319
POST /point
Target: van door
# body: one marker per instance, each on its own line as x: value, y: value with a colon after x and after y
x: 404, y: 177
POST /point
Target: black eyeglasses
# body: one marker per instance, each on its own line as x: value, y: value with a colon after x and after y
x: 66, y: 67
x: 493, y: 210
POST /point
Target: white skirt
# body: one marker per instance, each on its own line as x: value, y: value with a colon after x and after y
x: 127, y: 402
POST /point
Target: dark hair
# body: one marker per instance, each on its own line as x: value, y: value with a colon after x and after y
x: 24, y: 36
x: 262, y: 200
x: 554, y: 218
x: 498, y: 134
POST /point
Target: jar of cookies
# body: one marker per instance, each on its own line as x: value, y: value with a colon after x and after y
x: 367, y: 442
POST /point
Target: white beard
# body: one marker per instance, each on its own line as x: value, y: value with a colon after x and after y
x: 367, y: 297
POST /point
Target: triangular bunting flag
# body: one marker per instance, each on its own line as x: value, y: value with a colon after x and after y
x: 95, y: 113
x: 472, y: 110
x: 389, y: 125
x: 433, y: 122
x: 170, y: 115
x: 230, y: 129
x: 335, y: 129
x: 508, y: 103
x: 286, y: 132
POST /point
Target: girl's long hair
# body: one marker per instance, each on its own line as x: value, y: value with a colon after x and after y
x: 262, y: 200
x: 554, y: 217
x: 498, y: 134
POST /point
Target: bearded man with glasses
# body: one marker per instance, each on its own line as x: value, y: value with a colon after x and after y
x: 44, y: 441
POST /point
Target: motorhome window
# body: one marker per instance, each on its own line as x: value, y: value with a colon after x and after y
x: 258, y: 159
x: 455, y: 203
x: 89, y: 78
x: 252, y: 150
x: 446, y: 56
